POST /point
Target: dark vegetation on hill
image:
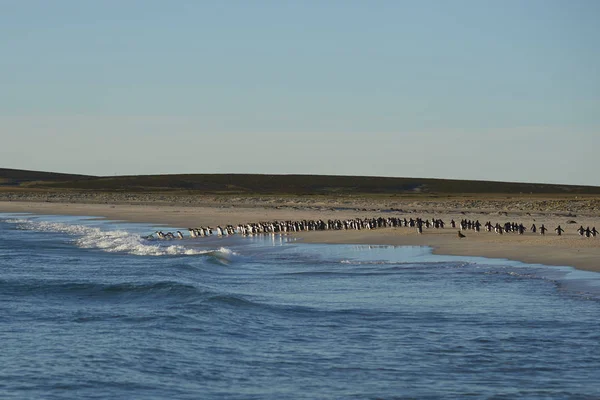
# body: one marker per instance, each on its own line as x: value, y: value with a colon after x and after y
x: 20, y: 177
x: 276, y: 184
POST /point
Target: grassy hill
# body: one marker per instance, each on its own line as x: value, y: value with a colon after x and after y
x: 20, y: 177
x: 276, y: 184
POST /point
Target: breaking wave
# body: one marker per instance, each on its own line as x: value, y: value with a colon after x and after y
x: 114, y: 241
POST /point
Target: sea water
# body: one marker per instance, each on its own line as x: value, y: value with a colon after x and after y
x: 89, y: 309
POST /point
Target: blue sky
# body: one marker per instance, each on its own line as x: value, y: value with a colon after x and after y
x: 492, y: 90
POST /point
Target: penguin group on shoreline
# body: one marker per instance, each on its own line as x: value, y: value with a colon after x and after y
x: 587, y: 232
x: 286, y: 227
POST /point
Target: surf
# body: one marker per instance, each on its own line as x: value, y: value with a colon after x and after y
x: 115, y: 241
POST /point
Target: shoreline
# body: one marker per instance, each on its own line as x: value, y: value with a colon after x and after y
x: 567, y: 250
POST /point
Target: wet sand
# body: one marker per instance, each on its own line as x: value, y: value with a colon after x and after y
x: 567, y: 250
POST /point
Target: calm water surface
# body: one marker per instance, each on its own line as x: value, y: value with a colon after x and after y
x: 88, y: 309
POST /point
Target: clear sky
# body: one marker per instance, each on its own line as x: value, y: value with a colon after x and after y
x: 492, y: 90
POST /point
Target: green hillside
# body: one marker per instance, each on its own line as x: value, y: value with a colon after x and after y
x: 20, y: 177
x: 277, y: 184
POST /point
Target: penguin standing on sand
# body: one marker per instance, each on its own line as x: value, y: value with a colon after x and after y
x: 533, y: 228
x: 559, y: 230
x: 543, y: 230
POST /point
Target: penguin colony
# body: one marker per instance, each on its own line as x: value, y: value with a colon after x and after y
x: 285, y: 227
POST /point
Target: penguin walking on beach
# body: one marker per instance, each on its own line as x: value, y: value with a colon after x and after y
x: 460, y: 235
x: 543, y: 230
x: 559, y: 230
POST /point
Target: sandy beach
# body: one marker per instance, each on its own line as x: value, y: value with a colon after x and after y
x: 570, y: 249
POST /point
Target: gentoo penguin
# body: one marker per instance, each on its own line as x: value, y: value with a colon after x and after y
x: 419, y: 226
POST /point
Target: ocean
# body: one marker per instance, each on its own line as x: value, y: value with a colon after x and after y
x: 91, y: 310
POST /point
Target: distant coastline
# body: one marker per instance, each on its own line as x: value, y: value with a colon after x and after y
x: 188, y: 210
x: 193, y: 200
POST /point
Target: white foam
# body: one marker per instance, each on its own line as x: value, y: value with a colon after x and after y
x: 226, y: 251
x: 355, y: 262
x: 118, y: 241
